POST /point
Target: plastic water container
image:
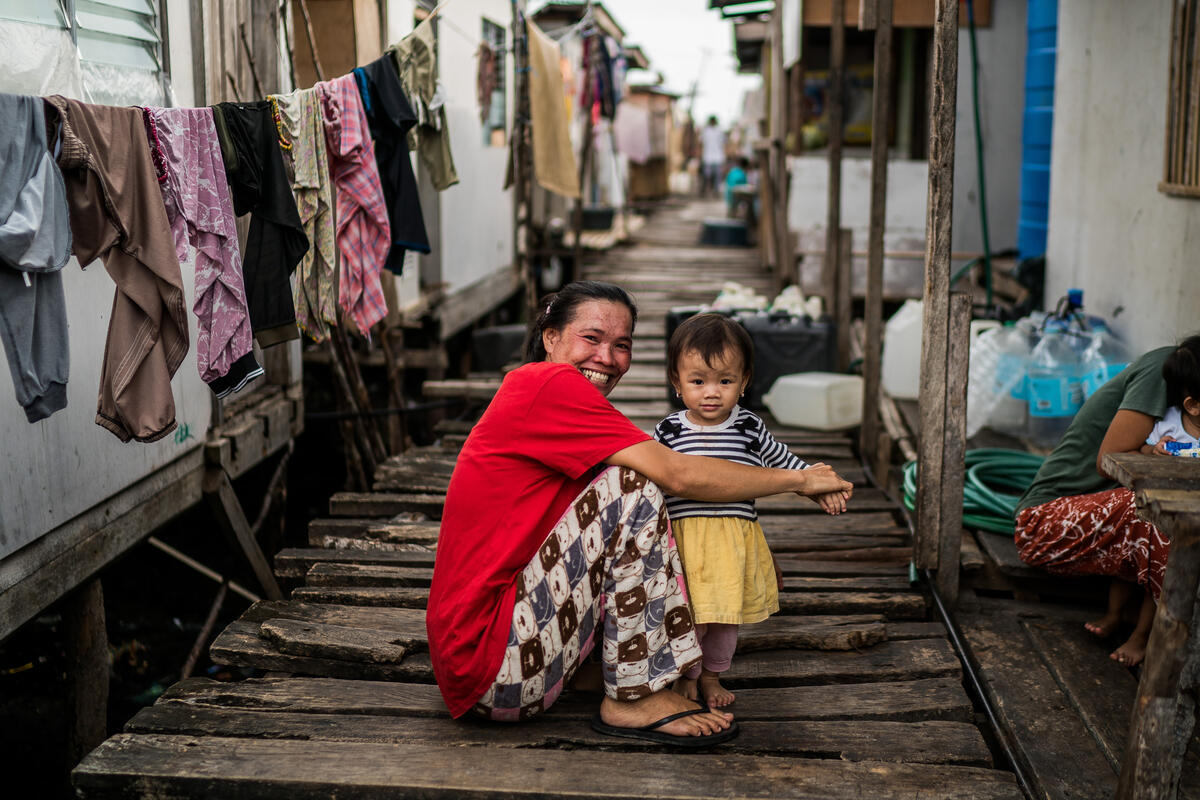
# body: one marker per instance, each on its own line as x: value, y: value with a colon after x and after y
x: 1010, y: 414
x: 901, y: 369
x: 1103, y: 359
x: 1054, y: 386
x: 824, y: 401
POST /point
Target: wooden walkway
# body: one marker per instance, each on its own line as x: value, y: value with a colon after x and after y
x: 849, y: 692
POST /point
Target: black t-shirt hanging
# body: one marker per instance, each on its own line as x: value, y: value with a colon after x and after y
x: 390, y: 117
x: 260, y: 187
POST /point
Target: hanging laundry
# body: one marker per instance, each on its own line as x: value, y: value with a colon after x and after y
x: 187, y: 153
x: 553, y: 158
x: 301, y: 124
x: 416, y: 60
x: 260, y: 187
x: 631, y: 129
x: 363, y: 232
x: 35, y: 243
x: 117, y: 215
x: 390, y: 116
x: 486, y: 79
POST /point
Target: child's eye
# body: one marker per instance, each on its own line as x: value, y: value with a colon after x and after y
x: 726, y: 381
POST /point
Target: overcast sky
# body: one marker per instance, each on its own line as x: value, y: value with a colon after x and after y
x: 686, y: 42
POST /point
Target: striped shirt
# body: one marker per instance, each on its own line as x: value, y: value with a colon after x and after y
x: 742, y: 438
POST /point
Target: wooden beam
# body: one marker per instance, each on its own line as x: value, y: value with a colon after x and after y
x: 954, y: 448
x: 870, y: 442
x: 51, y: 566
x: 785, y: 258
x: 223, y: 500
x: 935, y: 329
x: 833, y: 216
x: 843, y: 306
x: 87, y: 660
x: 470, y: 303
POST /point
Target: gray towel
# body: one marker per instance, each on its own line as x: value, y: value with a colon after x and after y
x: 35, y: 243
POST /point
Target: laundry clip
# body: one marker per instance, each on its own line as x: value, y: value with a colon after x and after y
x: 28, y: 284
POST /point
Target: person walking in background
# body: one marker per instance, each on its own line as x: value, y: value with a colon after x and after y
x: 712, y: 158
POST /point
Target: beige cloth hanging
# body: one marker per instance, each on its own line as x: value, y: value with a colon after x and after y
x: 553, y: 158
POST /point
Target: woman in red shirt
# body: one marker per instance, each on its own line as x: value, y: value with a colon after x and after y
x: 543, y: 551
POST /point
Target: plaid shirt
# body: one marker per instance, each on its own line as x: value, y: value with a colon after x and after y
x: 363, y: 232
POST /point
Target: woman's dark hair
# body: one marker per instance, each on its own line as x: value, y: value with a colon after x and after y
x: 1181, y: 371
x: 710, y: 335
x: 555, y: 311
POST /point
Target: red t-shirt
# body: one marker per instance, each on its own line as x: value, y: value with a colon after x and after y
x: 527, y: 458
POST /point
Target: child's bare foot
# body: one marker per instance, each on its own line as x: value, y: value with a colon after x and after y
x: 687, y: 688
x: 1132, y: 652
x: 714, y: 693
x: 1105, y: 626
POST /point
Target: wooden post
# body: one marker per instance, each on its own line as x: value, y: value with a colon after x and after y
x: 585, y: 156
x: 1164, y: 713
x: 869, y: 442
x: 935, y: 329
x: 87, y: 657
x: 785, y: 257
x: 522, y: 158
x: 833, y: 219
x: 223, y: 500
x: 955, y: 447
x: 843, y: 305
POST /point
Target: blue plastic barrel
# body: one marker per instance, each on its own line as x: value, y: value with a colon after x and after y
x: 1037, y: 126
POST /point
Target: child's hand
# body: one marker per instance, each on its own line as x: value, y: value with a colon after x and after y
x: 832, y: 502
x: 1160, y: 449
x: 778, y: 572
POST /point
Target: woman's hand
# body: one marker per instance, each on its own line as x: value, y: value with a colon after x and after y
x: 820, y: 480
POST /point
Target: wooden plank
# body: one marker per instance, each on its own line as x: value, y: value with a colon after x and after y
x: 294, y: 562
x: 864, y: 499
x: 1137, y: 471
x: 793, y: 564
x: 847, y: 632
x: 921, y: 742
x: 923, y: 699
x: 363, y: 595
x: 241, y: 645
x: 340, y: 642
x: 893, y: 606
x: 860, y: 522
x: 830, y: 269
x: 384, y: 504
x: 325, y: 574
x: 783, y: 543
x: 1058, y: 755
x: 211, y: 766
x: 935, y: 326
x: 905, y: 660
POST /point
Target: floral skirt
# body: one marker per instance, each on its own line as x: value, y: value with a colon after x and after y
x: 609, y: 564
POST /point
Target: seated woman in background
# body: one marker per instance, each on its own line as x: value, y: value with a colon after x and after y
x: 1076, y: 520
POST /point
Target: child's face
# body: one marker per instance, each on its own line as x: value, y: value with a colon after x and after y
x: 710, y: 392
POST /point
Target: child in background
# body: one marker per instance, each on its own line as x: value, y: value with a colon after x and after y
x: 732, y: 577
x: 1180, y: 423
x: 737, y: 176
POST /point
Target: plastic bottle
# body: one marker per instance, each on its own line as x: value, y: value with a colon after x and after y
x: 1055, y: 391
x: 1011, y: 411
x: 981, y: 380
x: 1103, y: 359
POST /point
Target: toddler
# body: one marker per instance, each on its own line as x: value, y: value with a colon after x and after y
x: 1180, y: 423
x: 732, y: 577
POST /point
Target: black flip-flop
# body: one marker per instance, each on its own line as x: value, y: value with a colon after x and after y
x: 651, y: 733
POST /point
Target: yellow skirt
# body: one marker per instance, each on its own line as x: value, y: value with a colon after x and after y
x: 727, y: 564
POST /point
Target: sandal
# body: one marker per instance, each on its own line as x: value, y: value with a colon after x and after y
x: 651, y: 733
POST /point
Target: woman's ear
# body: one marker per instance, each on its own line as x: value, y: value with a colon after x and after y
x: 550, y: 336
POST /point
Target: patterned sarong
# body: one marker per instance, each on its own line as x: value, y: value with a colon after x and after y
x: 610, y: 561
x: 1094, y: 534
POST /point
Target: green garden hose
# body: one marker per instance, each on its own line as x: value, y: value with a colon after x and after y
x: 995, y: 480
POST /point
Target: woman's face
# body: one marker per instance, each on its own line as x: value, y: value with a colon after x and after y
x: 598, y: 342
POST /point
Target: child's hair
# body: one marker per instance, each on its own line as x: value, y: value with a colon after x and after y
x: 710, y: 335
x: 1181, y: 371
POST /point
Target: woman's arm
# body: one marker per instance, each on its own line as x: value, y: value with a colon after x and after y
x: 716, y: 480
x: 1126, y: 434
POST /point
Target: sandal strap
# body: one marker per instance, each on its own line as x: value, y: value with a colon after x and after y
x: 669, y: 719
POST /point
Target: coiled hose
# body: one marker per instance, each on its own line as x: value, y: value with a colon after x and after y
x: 995, y: 480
